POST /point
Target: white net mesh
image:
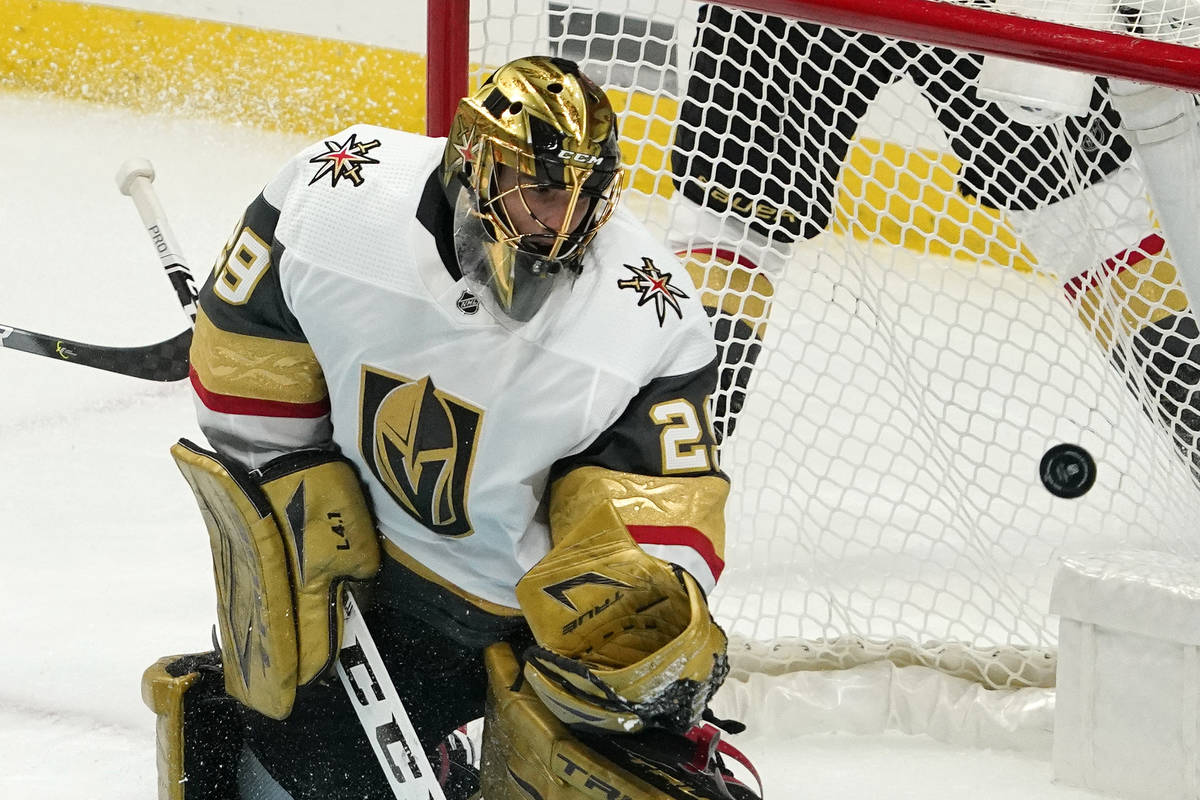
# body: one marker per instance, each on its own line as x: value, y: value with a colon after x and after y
x: 950, y: 295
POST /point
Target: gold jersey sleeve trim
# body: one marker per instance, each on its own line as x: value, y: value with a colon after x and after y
x: 646, y: 503
x: 255, y: 367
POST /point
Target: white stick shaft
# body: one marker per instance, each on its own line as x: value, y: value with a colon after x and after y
x: 382, y: 714
x: 141, y: 190
x: 135, y: 179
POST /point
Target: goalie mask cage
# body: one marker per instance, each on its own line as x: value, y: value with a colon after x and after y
x: 957, y: 305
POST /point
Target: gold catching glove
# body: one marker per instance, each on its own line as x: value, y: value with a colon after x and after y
x: 284, y: 540
x: 624, y: 640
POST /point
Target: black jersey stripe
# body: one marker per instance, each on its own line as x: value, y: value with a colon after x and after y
x: 633, y: 443
x: 264, y: 313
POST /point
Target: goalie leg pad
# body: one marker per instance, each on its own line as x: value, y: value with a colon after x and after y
x: 528, y: 752
x: 283, y: 540
x: 198, y: 728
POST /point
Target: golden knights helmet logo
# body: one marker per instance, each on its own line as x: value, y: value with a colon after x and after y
x: 420, y: 443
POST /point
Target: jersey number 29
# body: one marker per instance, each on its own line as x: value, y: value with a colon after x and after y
x: 247, y: 262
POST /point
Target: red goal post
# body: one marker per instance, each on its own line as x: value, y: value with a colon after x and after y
x: 940, y: 22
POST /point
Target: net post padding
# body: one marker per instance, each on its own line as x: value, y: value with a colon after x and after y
x: 1008, y: 667
x: 846, y: 692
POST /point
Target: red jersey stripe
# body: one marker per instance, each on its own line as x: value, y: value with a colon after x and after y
x: 680, y: 536
x: 253, y: 407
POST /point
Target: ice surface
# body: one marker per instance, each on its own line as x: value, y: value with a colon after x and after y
x: 105, y: 565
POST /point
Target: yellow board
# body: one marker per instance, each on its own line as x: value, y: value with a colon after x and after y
x: 156, y: 63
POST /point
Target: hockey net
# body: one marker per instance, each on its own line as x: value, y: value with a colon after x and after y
x: 951, y: 293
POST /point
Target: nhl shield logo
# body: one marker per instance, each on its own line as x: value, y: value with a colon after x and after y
x: 467, y: 303
x: 419, y: 442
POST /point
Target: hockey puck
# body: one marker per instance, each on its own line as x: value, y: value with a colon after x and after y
x: 1067, y: 471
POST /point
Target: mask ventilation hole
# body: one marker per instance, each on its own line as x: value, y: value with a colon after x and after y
x: 555, y: 87
x: 515, y: 108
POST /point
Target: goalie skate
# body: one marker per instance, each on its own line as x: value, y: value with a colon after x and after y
x: 697, y: 765
x: 529, y: 753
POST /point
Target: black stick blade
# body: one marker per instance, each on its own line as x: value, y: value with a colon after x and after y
x: 163, y: 361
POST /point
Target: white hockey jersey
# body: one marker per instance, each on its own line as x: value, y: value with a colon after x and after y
x: 337, y: 317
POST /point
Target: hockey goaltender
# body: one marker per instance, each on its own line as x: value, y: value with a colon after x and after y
x: 451, y: 381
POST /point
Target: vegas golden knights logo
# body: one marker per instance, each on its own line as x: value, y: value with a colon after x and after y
x: 420, y: 443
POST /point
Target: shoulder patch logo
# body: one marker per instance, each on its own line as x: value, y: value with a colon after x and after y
x: 344, y: 160
x: 653, y: 285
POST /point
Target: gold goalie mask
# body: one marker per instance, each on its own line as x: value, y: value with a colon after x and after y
x: 532, y: 168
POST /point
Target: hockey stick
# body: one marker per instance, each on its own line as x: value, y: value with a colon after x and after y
x: 163, y: 361
x: 363, y: 674
x: 381, y: 712
x: 135, y: 179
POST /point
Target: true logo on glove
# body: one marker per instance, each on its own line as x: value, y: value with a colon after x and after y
x: 559, y: 590
x: 590, y: 613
